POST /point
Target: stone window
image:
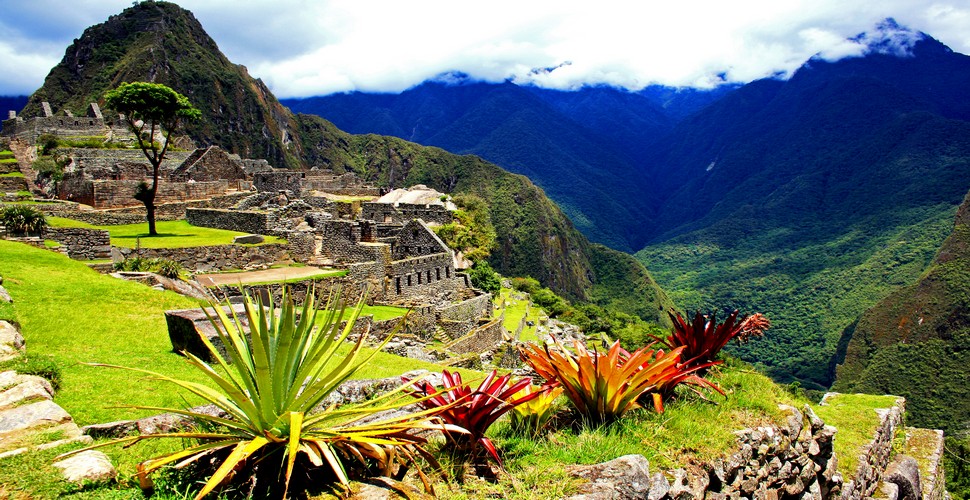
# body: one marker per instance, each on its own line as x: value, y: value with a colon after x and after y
x: 429, y: 276
x: 419, y: 277
x: 409, y: 280
x: 437, y: 272
x: 397, y: 284
x: 448, y: 272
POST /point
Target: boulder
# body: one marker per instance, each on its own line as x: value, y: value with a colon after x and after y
x: 5, y: 295
x: 903, y: 472
x: 87, y: 466
x: 25, y: 388
x: 249, y: 239
x: 11, y: 341
x: 624, y: 477
x: 44, y: 413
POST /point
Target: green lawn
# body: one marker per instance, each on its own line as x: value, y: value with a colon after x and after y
x: 171, y: 234
x: 12, y: 174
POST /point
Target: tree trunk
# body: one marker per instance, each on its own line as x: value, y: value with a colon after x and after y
x: 150, y: 215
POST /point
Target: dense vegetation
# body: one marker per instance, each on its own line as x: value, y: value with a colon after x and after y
x: 916, y: 342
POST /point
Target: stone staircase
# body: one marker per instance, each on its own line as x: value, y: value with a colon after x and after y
x: 30, y: 420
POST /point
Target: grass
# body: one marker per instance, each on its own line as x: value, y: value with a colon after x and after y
x: 855, y: 418
x: 171, y: 234
x: 381, y: 313
x: 334, y: 273
x: 515, y: 309
x: 12, y: 174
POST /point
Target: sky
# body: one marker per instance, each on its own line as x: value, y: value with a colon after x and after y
x: 315, y: 47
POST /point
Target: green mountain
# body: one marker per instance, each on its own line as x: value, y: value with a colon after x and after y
x: 814, y: 198
x: 161, y: 42
x: 916, y: 341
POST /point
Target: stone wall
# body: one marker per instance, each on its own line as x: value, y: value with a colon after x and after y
x: 874, y: 456
x: 404, y: 212
x: 81, y: 243
x: 279, y: 180
x: 247, y: 221
x: 418, y: 277
x: 12, y: 184
x: 212, y: 258
x: 120, y: 193
x: 481, y: 339
x: 473, y: 308
x: 417, y: 239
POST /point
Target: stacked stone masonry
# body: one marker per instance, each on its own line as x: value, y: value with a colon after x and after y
x: 875, y: 456
x: 211, y: 258
x: 247, y: 221
x: 403, y: 212
x: 81, y: 243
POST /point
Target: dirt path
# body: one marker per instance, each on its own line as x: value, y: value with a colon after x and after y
x: 263, y: 276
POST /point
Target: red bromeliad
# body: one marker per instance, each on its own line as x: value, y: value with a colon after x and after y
x: 704, y: 338
x: 473, y: 409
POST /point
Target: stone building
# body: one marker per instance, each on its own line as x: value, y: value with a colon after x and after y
x: 65, y: 124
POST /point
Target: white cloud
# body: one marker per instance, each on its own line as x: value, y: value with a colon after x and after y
x: 303, y: 47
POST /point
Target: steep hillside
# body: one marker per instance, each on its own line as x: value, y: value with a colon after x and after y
x: 812, y: 199
x: 916, y: 341
x: 580, y: 147
x: 159, y: 41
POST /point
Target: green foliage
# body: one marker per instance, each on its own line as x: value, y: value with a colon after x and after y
x: 22, y: 219
x: 35, y: 364
x: 956, y: 463
x: 483, y: 277
x: 280, y: 371
x: 150, y: 102
x: 472, y: 232
x: 812, y: 283
x: 530, y: 417
x: 527, y: 285
x: 47, y: 165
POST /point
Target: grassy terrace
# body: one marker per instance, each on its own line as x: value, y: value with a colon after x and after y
x: 171, y: 234
x: 854, y: 415
x: 515, y: 309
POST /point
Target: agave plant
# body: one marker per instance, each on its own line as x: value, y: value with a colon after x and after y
x: 279, y: 374
x: 604, y: 386
x: 22, y: 219
x: 704, y: 338
x: 473, y: 410
x: 531, y: 416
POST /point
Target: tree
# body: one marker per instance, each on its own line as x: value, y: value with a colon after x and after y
x: 150, y: 108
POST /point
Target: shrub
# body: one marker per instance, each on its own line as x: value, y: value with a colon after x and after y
x: 281, y: 371
x: 168, y: 268
x: 527, y: 285
x: 473, y: 410
x: 483, y: 277
x: 604, y: 386
x: 23, y: 220
x: 703, y: 338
